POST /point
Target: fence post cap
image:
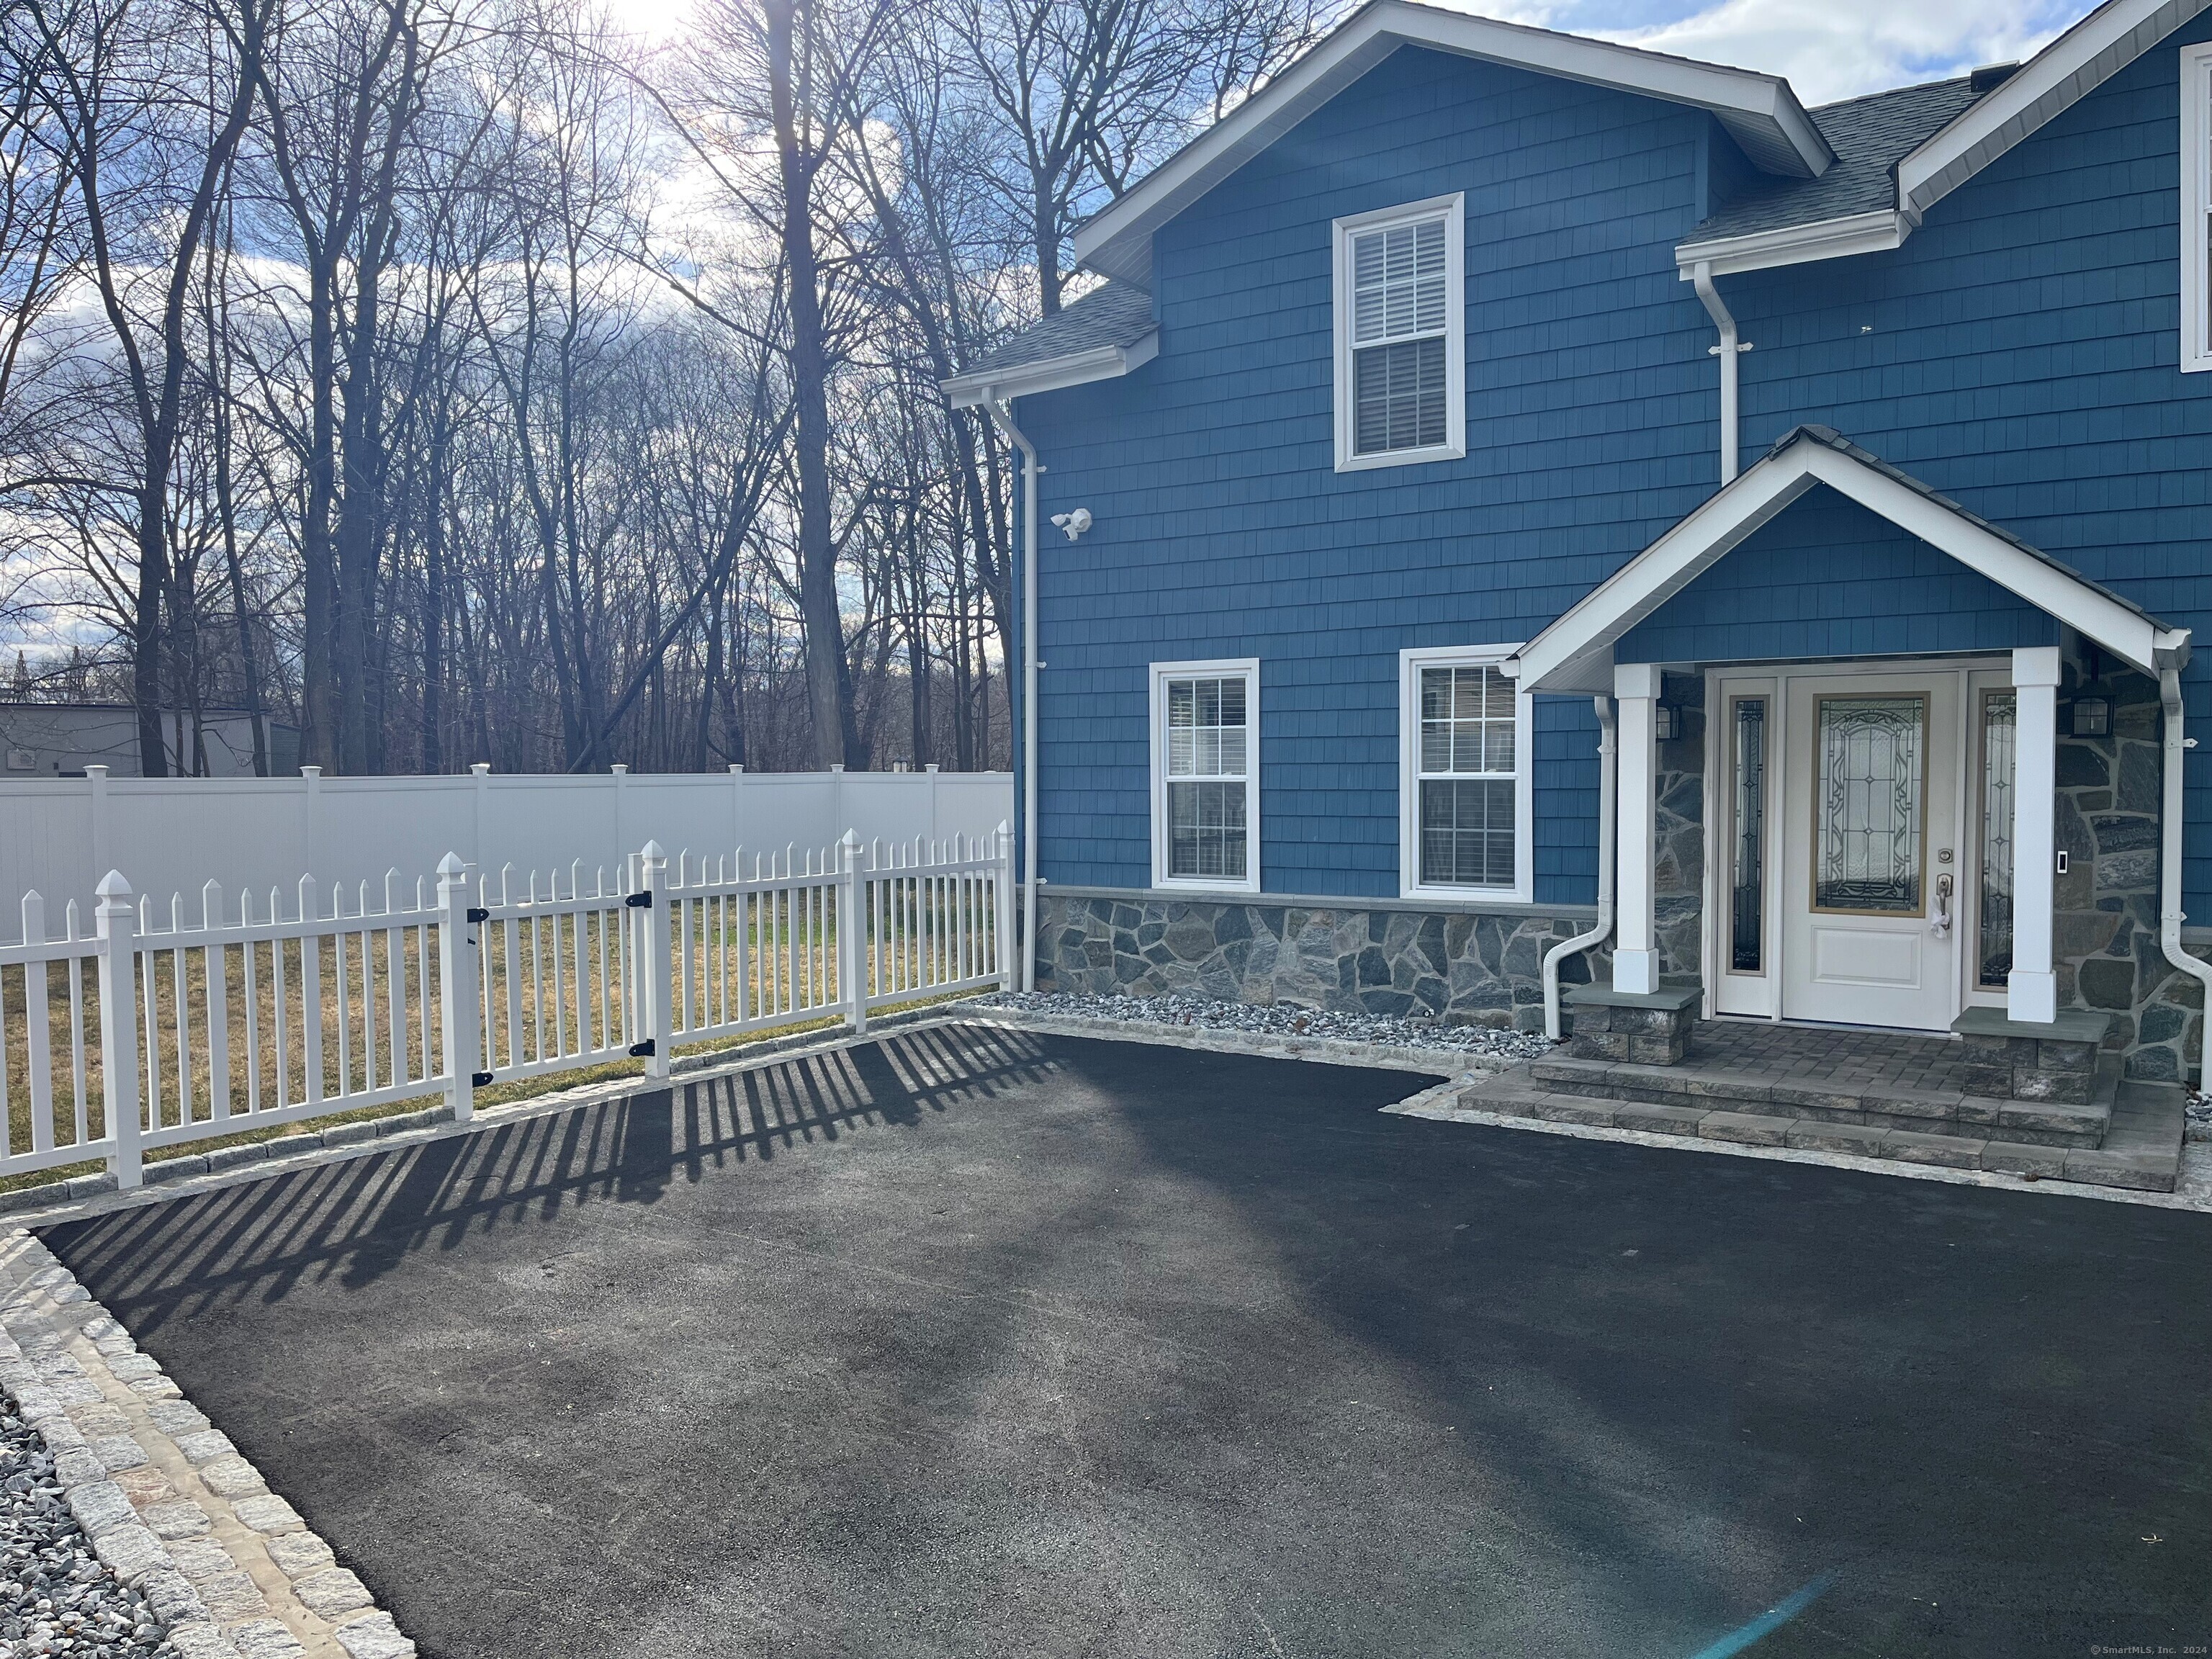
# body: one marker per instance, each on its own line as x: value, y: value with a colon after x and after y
x: 852, y: 839
x: 451, y: 865
x: 481, y: 769
x: 97, y: 773
x: 618, y: 768
x: 311, y: 771
x: 112, y: 886
x: 1006, y: 828
x: 651, y: 850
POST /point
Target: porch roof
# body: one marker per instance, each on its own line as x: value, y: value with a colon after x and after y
x: 1574, y: 654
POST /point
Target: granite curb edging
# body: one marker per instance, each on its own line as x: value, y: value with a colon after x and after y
x: 226, y: 1566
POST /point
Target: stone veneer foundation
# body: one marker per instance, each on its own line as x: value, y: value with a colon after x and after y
x: 1368, y: 957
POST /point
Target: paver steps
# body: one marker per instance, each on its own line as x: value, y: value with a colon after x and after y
x: 1865, y: 1103
x: 2139, y: 1123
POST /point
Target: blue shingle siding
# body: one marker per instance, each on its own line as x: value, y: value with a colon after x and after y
x: 1827, y: 578
x: 1223, y: 530
x: 2018, y: 354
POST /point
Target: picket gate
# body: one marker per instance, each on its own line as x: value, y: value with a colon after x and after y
x: 197, y: 1020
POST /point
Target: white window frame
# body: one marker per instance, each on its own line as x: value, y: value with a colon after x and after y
x: 2195, y: 208
x: 1410, y: 885
x: 1452, y: 207
x: 1218, y: 668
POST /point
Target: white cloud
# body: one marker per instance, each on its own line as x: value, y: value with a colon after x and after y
x: 1829, y: 49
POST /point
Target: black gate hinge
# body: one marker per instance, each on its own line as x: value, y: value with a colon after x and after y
x: 640, y: 901
x: 641, y: 1050
x: 478, y: 1080
x: 477, y: 912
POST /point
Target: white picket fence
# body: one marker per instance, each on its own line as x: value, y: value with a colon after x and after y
x: 364, y: 998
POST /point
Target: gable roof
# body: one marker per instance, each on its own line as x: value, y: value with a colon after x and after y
x: 1760, y: 111
x: 1107, y: 332
x: 1886, y: 194
x: 1574, y: 654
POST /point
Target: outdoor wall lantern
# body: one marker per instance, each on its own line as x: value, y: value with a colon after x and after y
x: 2092, y: 717
x: 1666, y: 722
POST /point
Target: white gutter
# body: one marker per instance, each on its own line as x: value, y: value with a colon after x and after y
x: 1003, y: 418
x: 2170, y: 826
x: 1728, y: 351
x: 1607, y: 754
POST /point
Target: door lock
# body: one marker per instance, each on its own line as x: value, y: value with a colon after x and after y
x: 1939, y: 923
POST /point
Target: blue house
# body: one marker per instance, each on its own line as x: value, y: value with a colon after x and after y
x: 1523, y: 509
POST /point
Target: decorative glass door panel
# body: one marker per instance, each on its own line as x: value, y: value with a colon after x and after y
x: 1747, y: 841
x: 1993, y: 931
x: 1869, y: 815
x: 1869, y: 788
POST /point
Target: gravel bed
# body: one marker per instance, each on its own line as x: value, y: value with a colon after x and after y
x: 56, y: 1596
x: 1282, y: 1020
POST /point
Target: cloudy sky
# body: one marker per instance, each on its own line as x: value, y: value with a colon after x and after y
x: 1829, y: 49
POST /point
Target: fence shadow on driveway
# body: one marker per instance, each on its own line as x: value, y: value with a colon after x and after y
x: 360, y: 1218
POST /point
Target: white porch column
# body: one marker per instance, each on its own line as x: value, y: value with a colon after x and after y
x: 1636, y: 947
x: 2032, y: 990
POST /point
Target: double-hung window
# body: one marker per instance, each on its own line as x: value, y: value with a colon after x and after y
x: 2196, y: 208
x: 1463, y: 796
x: 1205, y: 775
x: 1401, y: 344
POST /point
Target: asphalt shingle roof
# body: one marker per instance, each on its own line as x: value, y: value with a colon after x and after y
x: 1869, y: 135
x: 1114, y: 314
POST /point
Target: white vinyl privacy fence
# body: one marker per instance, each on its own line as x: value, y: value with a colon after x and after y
x: 60, y: 835
x: 201, y: 1018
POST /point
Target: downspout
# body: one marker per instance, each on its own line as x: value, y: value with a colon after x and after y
x: 1729, y: 349
x: 1607, y: 755
x: 2169, y: 827
x: 1002, y: 417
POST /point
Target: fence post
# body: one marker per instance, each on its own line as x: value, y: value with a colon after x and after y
x: 459, y: 1004
x: 654, y: 963
x: 116, y: 921
x: 1003, y: 916
x: 852, y: 934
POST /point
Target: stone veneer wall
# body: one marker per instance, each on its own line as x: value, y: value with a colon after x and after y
x: 1456, y: 967
x: 2104, y: 929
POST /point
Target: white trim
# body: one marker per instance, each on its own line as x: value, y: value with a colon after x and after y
x: 2196, y: 202
x: 1341, y: 231
x: 2060, y: 75
x: 1760, y: 111
x: 1793, y: 244
x: 1077, y: 369
x: 2068, y: 70
x: 1411, y: 661
x: 1221, y: 667
x: 1574, y: 654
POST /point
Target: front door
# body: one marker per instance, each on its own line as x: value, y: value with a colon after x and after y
x: 1870, y: 859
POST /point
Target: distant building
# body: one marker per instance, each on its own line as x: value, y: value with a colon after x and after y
x: 60, y: 740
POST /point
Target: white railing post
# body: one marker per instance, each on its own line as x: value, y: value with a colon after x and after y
x: 852, y: 934
x: 653, y: 961
x: 459, y: 1004
x: 115, y: 921
x: 1002, y: 920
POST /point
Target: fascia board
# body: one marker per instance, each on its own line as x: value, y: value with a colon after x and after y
x: 2069, y: 69
x: 1792, y: 245
x: 2127, y: 635
x: 1760, y: 111
x: 1077, y: 369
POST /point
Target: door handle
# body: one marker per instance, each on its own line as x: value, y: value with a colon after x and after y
x: 1939, y: 923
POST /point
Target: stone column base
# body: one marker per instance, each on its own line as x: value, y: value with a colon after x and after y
x: 2024, y: 1060
x: 1647, y: 1027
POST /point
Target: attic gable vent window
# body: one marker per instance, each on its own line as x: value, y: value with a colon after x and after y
x: 1401, y: 347
x: 2196, y: 208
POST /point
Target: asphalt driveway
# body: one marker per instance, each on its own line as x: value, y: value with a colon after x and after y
x: 969, y: 1343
